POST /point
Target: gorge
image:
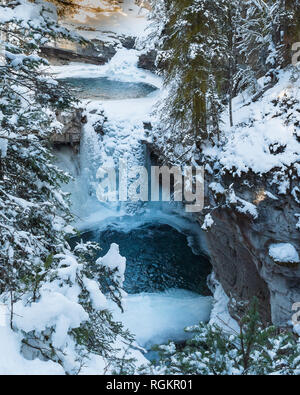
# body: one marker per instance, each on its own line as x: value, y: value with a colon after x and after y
x: 106, y: 267
x: 236, y: 240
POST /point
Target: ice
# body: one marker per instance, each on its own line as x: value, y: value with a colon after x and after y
x: 123, y: 133
x: 156, y: 318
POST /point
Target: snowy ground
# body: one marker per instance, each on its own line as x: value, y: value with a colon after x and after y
x: 127, y: 19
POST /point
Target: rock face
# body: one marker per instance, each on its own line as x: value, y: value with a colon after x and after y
x: 71, y: 133
x: 238, y: 245
x: 147, y: 61
x: 96, y: 52
x: 235, y: 265
x: 239, y: 248
x: 58, y: 55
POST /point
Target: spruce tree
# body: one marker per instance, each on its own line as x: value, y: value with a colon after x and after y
x: 57, y: 305
x: 189, y: 53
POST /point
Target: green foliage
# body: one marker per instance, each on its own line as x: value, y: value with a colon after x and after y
x: 208, y: 52
x: 190, y: 54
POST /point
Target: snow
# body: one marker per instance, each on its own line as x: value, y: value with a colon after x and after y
x: 58, y: 310
x: 264, y: 137
x: 220, y: 314
x: 127, y: 18
x: 114, y: 261
x: 122, y: 67
x: 284, y: 252
x: 53, y: 309
x: 99, y: 301
x: 3, y: 147
x: 245, y: 207
x: 208, y: 222
x: 217, y: 188
x: 296, y: 329
x: 12, y: 362
x: 26, y: 12
x: 270, y: 195
x: 156, y: 318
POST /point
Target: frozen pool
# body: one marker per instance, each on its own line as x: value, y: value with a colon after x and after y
x: 102, y: 88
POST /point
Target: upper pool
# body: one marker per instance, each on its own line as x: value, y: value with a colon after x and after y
x: 102, y: 88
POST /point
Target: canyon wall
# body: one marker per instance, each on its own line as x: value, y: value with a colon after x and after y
x: 239, y: 249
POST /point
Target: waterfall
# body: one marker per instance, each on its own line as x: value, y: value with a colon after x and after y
x: 166, y: 266
x: 90, y: 159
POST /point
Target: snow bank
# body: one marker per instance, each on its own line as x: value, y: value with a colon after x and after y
x: 12, y: 362
x: 156, y: 318
x: 284, y: 252
x: 265, y: 133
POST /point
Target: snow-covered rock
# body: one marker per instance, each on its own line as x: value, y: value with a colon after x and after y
x: 284, y: 253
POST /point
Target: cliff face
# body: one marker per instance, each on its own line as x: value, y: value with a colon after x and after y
x: 252, y: 205
x: 239, y: 243
x: 96, y: 51
x: 239, y: 248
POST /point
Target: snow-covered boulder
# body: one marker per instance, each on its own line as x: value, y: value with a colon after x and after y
x: 284, y: 253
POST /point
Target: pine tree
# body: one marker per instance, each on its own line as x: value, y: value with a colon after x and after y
x: 189, y: 53
x: 198, y: 57
x: 56, y: 305
x: 268, y: 28
x: 29, y: 183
